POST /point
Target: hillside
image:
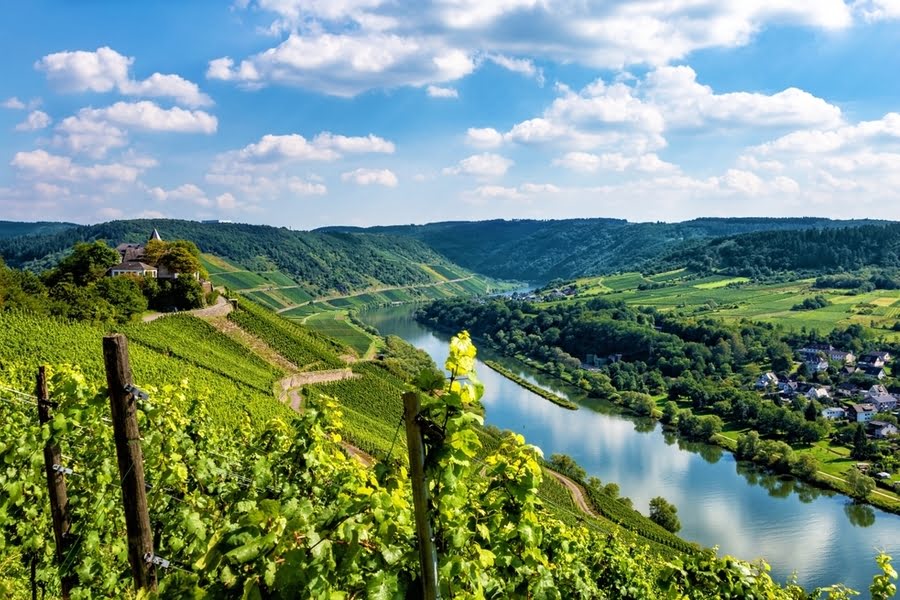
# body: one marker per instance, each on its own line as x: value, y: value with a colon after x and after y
x: 539, y: 251
x: 321, y: 263
x: 9, y: 229
x: 813, y: 251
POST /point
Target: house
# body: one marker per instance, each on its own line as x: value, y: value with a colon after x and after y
x: 880, y: 397
x: 818, y: 393
x: 847, y: 388
x: 787, y: 388
x: 816, y: 365
x: 133, y: 267
x: 829, y: 352
x: 874, y: 359
x: 131, y: 262
x: 881, y: 429
x: 873, y: 371
x: 765, y: 380
x: 861, y: 413
x: 834, y: 412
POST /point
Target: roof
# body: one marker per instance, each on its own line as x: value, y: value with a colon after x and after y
x: 155, y: 236
x: 863, y: 407
x: 872, y: 370
x: 132, y: 265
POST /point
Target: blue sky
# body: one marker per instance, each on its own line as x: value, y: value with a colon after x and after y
x: 313, y: 112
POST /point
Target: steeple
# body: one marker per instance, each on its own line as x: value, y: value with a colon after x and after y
x: 155, y: 236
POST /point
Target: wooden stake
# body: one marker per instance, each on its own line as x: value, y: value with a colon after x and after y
x: 131, y: 460
x: 56, y: 484
x: 427, y: 551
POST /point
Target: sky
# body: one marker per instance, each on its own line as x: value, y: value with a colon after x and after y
x: 304, y: 113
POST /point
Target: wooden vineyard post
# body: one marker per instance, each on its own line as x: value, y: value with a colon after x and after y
x: 123, y: 403
x: 427, y: 551
x: 56, y: 484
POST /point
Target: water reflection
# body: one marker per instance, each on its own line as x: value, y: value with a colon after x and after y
x: 745, y: 511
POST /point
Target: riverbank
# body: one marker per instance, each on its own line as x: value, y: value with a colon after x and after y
x: 879, y: 498
x: 531, y: 387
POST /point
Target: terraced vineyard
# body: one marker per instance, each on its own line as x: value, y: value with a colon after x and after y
x: 306, y: 349
x: 336, y: 326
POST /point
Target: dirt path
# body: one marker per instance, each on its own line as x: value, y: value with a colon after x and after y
x: 576, y: 491
x: 220, y: 309
x: 363, y: 458
x: 842, y: 480
x: 255, y: 344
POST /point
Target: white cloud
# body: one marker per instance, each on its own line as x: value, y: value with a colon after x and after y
x: 105, y: 70
x: 441, y: 92
x: 684, y: 102
x: 362, y: 176
x: 349, y: 46
x: 484, y: 165
x: 35, y: 120
x: 346, y: 64
x: 273, y: 151
x: 497, y: 191
x: 187, y: 192
x: 94, y: 138
x: 586, y: 162
x: 13, y: 104
x: 524, y: 66
x: 40, y: 164
x: 486, y: 137
x: 305, y: 188
x: 148, y: 116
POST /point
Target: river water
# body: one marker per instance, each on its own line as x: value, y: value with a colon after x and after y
x: 821, y: 536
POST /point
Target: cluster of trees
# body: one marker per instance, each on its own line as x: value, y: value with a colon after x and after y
x: 807, y: 251
x: 817, y: 301
x: 78, y: 288
x: 323, y: 262
x: 880, y: 280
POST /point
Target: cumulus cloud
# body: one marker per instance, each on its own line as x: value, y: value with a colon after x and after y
x: 483, y: 165
x: 40, y: 164
x: 13, y: 104
x: 586, y: 162
x: 350, y: 46
x: 435, y: 91
x: 187, y: 192
x: 105, y: 70
x: 877, y: 10
x: 361, y: 176
x: 35, y: 120
x: 346, y: 64
x: 486, y: 137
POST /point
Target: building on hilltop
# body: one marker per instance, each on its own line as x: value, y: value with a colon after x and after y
x: 132, y: 262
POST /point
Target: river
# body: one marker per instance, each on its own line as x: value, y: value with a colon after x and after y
x: 821, y: 536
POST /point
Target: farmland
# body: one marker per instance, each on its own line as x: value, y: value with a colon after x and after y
x: 735, y: 298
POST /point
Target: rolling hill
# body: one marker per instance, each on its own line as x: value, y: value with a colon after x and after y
x: 539, y: 251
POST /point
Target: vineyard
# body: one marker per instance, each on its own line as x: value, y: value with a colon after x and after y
x: 256, y: 507
x: 30, y: 341
x: 336, y: 326
x: 308, y: 350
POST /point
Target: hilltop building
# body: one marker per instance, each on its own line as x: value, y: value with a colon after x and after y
x: 133, y: 262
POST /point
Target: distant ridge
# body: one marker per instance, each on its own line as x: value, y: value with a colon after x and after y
x: 10, y: 229
x: 533, y: 250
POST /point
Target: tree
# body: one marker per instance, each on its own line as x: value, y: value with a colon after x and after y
x: 810, y: 413
x: 125, y: 294
x: 87, y: 263
x: 670, y: 412
x: 565, y: 464
x: 860, y: 485
x: 664, y: 514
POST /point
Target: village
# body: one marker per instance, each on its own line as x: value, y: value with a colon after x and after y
x: 856, y: 393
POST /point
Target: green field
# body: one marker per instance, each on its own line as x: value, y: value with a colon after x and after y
x: 735, y: 298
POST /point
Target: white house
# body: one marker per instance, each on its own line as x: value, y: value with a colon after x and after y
x: 862, y: 413
x: 879, y: 396
x: 882, y: 429
x: 834, y: 412
x: 817, y: 365
x: 765, y: 380
x: 818, y: 393
x: 134, y: 267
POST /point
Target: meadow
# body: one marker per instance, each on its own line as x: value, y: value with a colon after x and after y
x: 736, y: 298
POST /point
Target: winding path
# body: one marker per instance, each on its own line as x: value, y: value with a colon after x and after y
x: 220, y: 309
x: 576, y: 492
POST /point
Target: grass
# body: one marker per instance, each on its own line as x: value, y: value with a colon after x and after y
x: 735, y: 298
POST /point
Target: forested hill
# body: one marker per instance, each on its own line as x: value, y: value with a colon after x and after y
x: 543, y: 250
x: 324, y: 262
x: 812, y: 251
x: 10, y: 229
